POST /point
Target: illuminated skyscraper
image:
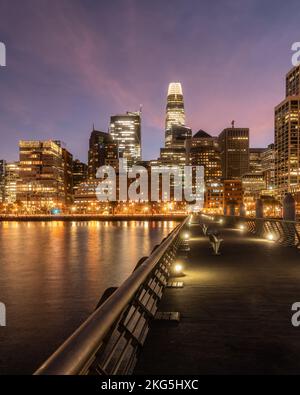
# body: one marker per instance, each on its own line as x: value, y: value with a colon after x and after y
x: 234, y: 145
x: 268, y: 166
x: 103, y: 151
x: 287, y: 138
x: 177, y: 136
x: 67, y: 164
x: 80, y: 173
x: 125, y: 130
x: 175, y: 115
x: 2, y: 180
x: 41, y: 174
x: 255, y: 160
x: 292, y: 82
x: 11, y: 180
x: 203, y: 150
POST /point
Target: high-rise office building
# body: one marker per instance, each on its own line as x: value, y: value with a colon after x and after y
x: 125, y: 130
x: 177, y: 136
x: 203, y: 150
x: 175, y: 114
x: 68, y: 176
x: 233, y: 194
x: 268, y: 166
x: 67, y: 164
x: 41, y: 173
x: 173, y: 156
x: 85, y: 198
x: 255, y: 160
x: 103, y: 151
x: 287, y: 138
x: 292, y: 82
x: 253, y: 185
x: 287, y: 141
x: 80, y: 173
x: 234, y: 146
x: 11, y: 182
x: 2, y: 180
x: 253, y: 182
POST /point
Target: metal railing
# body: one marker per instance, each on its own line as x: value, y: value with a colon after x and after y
x: 286, y: 233
x: 109, y: 341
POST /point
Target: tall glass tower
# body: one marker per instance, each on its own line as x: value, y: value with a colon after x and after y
x: 125, y: 130
x: 175, y: 115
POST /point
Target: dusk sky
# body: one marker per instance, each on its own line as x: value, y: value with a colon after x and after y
x: 72, y: 63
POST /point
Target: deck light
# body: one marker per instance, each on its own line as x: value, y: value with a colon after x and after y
x: 242, y: 227
x: 186, y: 236
x: 270, y: 237
x: 178, y: 268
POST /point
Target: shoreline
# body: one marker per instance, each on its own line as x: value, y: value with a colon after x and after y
x: 90, y: 217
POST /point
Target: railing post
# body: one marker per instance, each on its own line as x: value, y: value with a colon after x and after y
x: 289, y: 214
x: 230, y: 219
x: 289, y: 208
x: 259, y: 222
x: 242, y: 210
x: 231, y: 209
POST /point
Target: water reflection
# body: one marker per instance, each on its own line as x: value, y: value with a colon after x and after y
x: 52, y: 275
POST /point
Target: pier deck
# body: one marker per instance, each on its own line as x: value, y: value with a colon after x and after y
x: 235, y: 311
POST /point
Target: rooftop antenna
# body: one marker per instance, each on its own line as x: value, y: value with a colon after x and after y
x: 232, y: 124
x: 141, y: 109
x: 93, y: 127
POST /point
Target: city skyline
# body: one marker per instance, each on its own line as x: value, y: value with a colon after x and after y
x: 53, y: 88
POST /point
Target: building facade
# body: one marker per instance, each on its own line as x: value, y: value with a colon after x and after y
x: 233, y: 194
x: 68, y: 176
x: 11, y: 182
x: 175, y: 113
x: 125, y: 130
x: 177, y: 136
x: 255, y: 160
x: 41, y: 182
x: 234, y: 147
x: 287, y: 138
x: 292, y: 82
x: 103, y: 151
x: 268, y: 166
x: 253, y: 185
x: 203, y: 150
x: 80, y: 173
x: 2, y: 180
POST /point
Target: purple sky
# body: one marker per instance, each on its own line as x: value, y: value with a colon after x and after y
x: 71, y: 63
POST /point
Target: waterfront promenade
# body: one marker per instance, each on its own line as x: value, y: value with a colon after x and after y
x: 235, y: 310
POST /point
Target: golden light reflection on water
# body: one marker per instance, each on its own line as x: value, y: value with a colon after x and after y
x: 54, y: 273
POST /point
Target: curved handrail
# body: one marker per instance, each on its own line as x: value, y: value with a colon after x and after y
x: 74, y: 355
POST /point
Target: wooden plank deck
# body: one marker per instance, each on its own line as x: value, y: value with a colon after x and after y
x: 235, y: 311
